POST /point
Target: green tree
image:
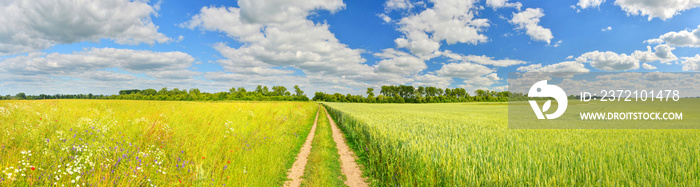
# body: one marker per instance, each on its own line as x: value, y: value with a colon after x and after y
x: 320, y: 96
x: 370, y: 92
x: 21, y: 95
x: 421, y: 91
x: 259, y: 89
x: 298, y: 90
x: 279, y: 90
x: 241, y: 93
x: 163, y: 91
x: 149, y: 92
x: 480, y: 93
x: 265, y: 91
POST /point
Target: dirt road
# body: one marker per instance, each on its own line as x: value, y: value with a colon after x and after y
x: 347, y: 158
x: 297, y: 169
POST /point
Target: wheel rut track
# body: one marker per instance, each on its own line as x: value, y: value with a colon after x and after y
x: 297, y: 171
x: 348, y: 165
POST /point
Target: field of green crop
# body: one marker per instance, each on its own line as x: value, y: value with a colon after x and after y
x: 150, y: 143
x: 469, y: 144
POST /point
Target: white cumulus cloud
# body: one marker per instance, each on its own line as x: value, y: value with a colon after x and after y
x: 481, y: 82
x: 648, y: 66
x: 463, y: 70
x: 29, y: 26
x: 662, y: 53
x: 583, y: 4
x: 432, y: 80
x: 662, y: 9
x: 483, y: 59
x: 136, y: 61
x: 278, y: 34
x: 398, y: 5
x: 529, y: 21
x: 691, y: 63
x: 495, y: 4
x: 684, y: 38
x: 566, y: 67
x: 384, y: 18
x: 609, y: 61
x: 452, y: 21
x: 97, y: 70
x: 398, y: 62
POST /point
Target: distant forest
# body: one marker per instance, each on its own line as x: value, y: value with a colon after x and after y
x: 410, y: 94
x: 261, y: 93
x: 388, y: 94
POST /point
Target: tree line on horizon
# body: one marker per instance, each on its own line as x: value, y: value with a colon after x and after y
x: 388, y: 94
x: 411, y: 94
x: 261, y: 93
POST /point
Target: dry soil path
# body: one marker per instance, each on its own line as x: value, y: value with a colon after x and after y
x: 347, y: 158
x: 297, y: 169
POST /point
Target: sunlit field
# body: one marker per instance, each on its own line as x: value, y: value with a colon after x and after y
x: 150, y: 143
x: 469, y: 144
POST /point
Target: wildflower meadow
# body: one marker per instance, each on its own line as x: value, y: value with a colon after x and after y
x: 150, y: 143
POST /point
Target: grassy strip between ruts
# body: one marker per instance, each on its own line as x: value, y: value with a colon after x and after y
x: 323, y: 168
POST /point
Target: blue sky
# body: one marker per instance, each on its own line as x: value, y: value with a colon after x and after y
x: 333, y: 45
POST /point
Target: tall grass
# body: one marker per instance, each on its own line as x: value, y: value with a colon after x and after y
x: 470, y: 145
x: 150, y: 143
